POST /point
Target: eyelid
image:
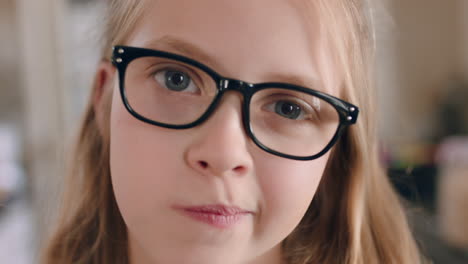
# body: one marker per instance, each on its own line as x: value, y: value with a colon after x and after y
x: 300, y: 100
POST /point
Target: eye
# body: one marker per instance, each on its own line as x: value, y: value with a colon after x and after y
x: 176, y: 80
x: 287, y: 109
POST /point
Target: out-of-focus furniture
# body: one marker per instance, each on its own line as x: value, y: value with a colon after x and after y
x: 452, y: 204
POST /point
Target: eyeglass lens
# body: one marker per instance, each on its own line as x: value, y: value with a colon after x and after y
x: 175, y: 93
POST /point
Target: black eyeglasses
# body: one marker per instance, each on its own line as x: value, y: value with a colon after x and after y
x: 174, y: 91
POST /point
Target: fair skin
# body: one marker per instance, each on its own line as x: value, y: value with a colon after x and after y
x: 155, y: 168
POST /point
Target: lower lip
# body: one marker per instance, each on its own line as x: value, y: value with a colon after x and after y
x: 216, y: 220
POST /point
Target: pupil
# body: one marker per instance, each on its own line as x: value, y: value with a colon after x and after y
x: 177, y: 81
x: 177, y: 78
x: 288, y: 110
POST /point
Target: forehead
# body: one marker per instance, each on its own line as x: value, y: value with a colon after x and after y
x: 250, y: 40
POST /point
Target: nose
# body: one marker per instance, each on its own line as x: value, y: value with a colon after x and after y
x: 220, y: 145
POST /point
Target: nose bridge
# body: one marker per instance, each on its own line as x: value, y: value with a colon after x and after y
x: 221, y: 145
x: 242, y: 87
x: 230, y: 107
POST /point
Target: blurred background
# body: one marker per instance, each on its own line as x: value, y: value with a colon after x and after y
x: 49, y: 50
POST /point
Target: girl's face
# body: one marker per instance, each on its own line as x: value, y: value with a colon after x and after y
x: 160, y: 174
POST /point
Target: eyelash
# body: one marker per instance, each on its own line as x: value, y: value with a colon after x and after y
x: 309, y: 112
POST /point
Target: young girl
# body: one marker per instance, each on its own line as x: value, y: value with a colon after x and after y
x: 233, y: 132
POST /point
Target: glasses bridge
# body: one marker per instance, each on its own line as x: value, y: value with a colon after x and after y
x: 234, y: 85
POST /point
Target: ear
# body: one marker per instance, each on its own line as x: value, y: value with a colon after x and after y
x: 101, y: 94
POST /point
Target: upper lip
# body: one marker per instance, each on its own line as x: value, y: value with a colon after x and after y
x: 218, y: 209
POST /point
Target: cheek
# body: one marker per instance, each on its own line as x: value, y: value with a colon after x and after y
x: 141, y: 166
x: 288, y: 187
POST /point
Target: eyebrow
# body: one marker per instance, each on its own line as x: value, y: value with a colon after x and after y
x: 182, y: 47
x: 311, y: 83
x: 172, y: 44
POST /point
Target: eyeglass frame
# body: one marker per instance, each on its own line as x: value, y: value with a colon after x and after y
x: 123, y: 55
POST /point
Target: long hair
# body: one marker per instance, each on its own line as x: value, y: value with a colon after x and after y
x: 355, y: 216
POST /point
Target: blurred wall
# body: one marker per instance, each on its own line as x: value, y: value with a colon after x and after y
x: 42, y: 82
x: 426, y: 35
x: 48, y: 55
x: 462, y: 14
x: 10, y: 99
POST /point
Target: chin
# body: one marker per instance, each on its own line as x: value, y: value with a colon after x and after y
x: 201, y: 257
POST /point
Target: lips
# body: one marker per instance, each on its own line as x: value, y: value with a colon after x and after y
x: 220, y: 216
x: 217, y: 209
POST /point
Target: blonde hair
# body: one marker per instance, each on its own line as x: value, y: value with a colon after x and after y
x: 355, y: 216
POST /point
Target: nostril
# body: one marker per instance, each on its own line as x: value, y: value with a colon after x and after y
x: 203, y: 164
x: 239, y: 169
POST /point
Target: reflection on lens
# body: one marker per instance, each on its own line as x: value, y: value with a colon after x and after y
x: 292, y: 122
x: 168, y: 91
